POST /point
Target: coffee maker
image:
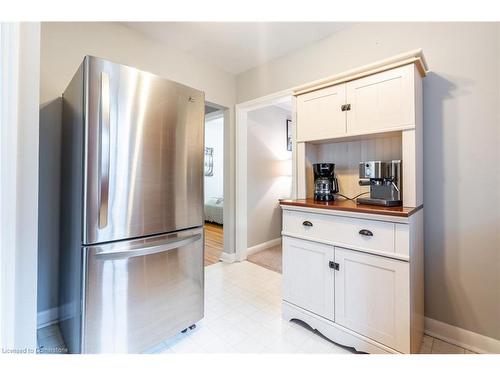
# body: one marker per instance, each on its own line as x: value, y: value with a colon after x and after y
x: 384, y: 179
x: 325, y: 182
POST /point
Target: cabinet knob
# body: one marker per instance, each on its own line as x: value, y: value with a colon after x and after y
x: 366, y: 232
x: 307, y: 223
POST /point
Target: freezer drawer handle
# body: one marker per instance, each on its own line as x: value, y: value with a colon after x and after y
x: 152, y: 249
x: 104, y: 151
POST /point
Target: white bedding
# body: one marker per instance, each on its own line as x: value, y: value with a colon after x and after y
x: 214, y: 210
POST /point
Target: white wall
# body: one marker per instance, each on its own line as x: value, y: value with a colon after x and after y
x: 269, y: 171
x: 214, y: 137
x: 64, y: 44
x: 461, y: 149
x: 63, y: 47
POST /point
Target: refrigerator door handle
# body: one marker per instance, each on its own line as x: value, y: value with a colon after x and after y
x: 104, y: 140
x: 125, y: 253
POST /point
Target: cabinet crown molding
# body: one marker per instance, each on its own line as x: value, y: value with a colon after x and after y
x: 411, y: 57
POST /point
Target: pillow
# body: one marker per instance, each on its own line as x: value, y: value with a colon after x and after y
x: 214, y: 200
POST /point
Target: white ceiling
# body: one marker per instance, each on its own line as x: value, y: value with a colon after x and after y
x: 237, y: 46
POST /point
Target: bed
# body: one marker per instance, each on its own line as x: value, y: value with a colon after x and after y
x: 214, y: 208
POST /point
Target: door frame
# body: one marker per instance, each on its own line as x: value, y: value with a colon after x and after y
x: 9, y: 45
x: 242, y: 110
x: 225, y: 112
x: 19, y: 128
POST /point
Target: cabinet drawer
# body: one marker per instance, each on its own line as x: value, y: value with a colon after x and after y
x: 341, y: 230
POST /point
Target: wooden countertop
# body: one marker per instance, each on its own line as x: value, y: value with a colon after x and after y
x: 348, y: 205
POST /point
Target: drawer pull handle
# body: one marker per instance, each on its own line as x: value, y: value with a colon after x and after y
x: 307, y: 223
x: 366, y: 232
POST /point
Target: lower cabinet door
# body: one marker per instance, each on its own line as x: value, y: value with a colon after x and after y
x: 308, y: 280
x: 372, y: 297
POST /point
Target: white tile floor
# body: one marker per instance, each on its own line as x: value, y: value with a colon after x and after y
x: 243, y: 315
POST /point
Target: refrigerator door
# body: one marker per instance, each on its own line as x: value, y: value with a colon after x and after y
x: 143, y: 154
x: 139, y: 293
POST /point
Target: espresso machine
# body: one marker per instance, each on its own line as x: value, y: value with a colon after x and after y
x: 325, y: 182
x: 384, y: 179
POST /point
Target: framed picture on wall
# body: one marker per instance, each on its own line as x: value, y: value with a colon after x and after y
x: 209, y: 161
x: 289, y: 135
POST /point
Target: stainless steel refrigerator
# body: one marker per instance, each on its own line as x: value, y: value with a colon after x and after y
x: 131, y: 249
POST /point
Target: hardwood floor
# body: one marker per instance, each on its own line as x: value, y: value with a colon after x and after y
x: 214, y: 243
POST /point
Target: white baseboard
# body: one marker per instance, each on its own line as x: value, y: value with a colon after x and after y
x: 461, y: 337
x: 263, y: 246
x: 47, y: 317
x: 228, y: 257
x: 232, y: 257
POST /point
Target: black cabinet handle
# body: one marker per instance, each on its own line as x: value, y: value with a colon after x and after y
x: 366, y: 232
x: 334, y: 265
x: 307, y: 223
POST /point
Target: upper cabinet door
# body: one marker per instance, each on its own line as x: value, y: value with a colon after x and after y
x: 372, y: 297
x: 308, y: 280
x: 320, y: 115
x: 382, y: 101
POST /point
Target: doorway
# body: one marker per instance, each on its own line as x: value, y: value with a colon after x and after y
x: 214, y: 184
x: 264, y: 175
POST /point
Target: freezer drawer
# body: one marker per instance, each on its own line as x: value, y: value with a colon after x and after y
x: 141, y: 292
